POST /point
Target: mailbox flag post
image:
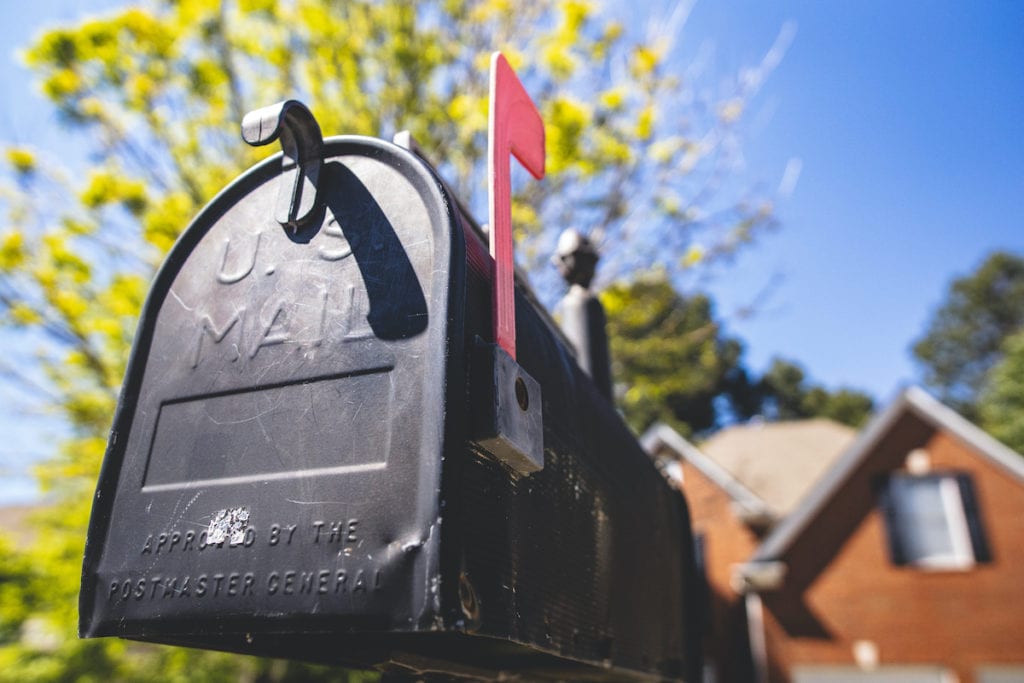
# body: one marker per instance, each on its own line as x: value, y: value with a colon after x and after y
x: 510, y: 427
x: 516, y: 129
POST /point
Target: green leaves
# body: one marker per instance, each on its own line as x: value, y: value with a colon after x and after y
x: 122, y: 52
x: 161, y: 90
x: 786, y: 394
x: 22, y: 160
x: 964, y: 338
x: 670, y: 359
x: 12, y: 251
x: 675, y: 365
x: 105, y: 188
x: 1001, y: 401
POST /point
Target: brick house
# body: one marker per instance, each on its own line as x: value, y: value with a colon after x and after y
x: 903, y: 559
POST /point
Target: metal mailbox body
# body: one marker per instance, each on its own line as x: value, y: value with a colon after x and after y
x: 292, y: 468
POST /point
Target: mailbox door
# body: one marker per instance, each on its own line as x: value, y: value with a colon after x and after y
x: 275, y: 461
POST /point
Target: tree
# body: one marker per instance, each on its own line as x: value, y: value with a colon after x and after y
x: 783, y: 386
x: 673, y: 363
x: 844, y: 405
x: 670, y: 359
x: 965, y: 336
x: 157, y: 93
x: 1001, y: 402
x: 786, y: 395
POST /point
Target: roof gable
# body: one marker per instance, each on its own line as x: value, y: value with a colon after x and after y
x: 780, y: 462
x: 662, y: 435
x: 913, y: 402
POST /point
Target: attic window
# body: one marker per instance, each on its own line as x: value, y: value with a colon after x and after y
x: 933, y: 521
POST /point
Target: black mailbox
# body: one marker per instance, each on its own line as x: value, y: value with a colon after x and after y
x: 299, y: 464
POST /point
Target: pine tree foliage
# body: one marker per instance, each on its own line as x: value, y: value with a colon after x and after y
x: 673, y: 362
x: 670, y: 359
x: 786, y: 393
x: 965, y: 336
x: 1001, y: 402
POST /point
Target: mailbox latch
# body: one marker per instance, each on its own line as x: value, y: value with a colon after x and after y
x: 302, y: 144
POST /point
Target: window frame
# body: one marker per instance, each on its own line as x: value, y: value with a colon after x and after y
x: 961, y: 513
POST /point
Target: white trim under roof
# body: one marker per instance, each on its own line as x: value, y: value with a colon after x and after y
x: 926, y: 408
x: 749, y: 503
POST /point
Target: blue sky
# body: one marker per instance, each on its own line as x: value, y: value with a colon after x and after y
x: 904, y: 119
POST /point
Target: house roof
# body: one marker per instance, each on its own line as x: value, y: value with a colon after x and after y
x: 661, y: 435
x: 780, y: 462
x: 914, y: 401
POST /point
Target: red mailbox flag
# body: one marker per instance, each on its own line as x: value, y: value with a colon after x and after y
x: 515, y: 128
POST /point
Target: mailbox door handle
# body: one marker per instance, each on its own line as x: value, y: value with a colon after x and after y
x: 302, y: 144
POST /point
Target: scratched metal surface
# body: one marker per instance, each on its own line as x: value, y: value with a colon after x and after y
x: 282, y: 381
x: 290, y: 472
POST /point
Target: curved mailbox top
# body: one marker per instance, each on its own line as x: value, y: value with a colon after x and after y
x: 277, y: 446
